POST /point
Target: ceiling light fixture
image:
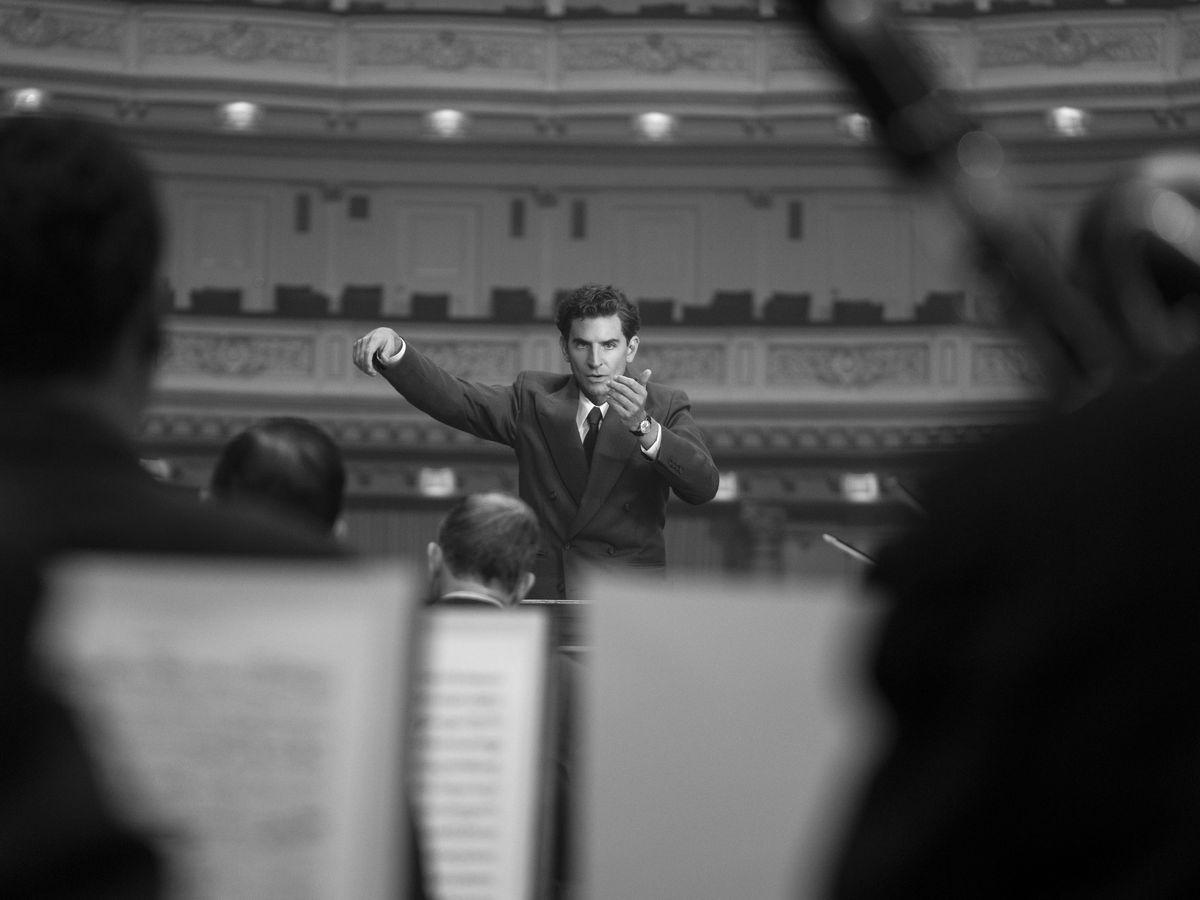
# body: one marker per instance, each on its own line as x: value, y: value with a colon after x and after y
x: 855, y: 126
x: 240, y: 115
x: 655, y: 126
x: 1068, y: 121
x: 447, y: 123
x: 27, y: 99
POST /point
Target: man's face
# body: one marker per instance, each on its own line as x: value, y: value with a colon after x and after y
x: 597, y: 351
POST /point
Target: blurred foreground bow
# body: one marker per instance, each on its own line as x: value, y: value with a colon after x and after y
x: 930, y: 138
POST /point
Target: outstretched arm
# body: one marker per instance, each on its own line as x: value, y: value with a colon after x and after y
x: 486, y: 411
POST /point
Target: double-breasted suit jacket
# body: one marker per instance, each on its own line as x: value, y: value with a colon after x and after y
x: 607, y: 517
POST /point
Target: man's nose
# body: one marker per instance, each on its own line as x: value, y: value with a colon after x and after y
x: 594, y: 357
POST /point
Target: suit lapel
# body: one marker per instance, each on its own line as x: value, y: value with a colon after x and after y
x: 614, y: 448
x: 556, y: 419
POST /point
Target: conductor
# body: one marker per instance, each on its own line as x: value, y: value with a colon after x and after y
x: 598, y: 450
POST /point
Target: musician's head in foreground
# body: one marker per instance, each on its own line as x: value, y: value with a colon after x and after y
x: 485, y: 549
x: 288, y: 465
x: 81, y: 238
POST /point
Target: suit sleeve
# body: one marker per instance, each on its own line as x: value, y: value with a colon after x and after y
x: 486, y: 411
x: 683, y: 459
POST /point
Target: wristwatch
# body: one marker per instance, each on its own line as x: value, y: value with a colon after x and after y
x: 643, y: 426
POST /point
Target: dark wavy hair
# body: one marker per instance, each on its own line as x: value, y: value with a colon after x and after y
x: 491, y: 537
x: 81, y: 237
x: 289, y: 464
x: 595, y: 301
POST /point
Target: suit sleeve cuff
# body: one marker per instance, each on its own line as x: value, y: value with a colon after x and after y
x: 651, y: 452
x: 386, y: 362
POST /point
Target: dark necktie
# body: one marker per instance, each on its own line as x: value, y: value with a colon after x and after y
x: 593, y: 432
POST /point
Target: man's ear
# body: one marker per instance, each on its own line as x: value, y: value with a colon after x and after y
x: 632, y: 351
x: 562, y: 346
x: 524, y: 586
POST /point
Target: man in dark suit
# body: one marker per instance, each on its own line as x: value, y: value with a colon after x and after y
x: 80, y: 241
x: 611, y: 511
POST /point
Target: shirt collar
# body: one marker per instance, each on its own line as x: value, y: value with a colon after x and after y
x: 585, y: 407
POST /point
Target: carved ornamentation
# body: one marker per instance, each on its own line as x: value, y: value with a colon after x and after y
x: 1069, y: 46
x: 1191, y: 40
x: 409, y: 441
x: 239, y: 356
x: 36, y: 28
x: 491, y: 362
x: 691, y: 363
x: 995, y: 365
x: 656, y: 54
x: 448, y: 51
x: 795, y: 53
x: 238, y: 41
x: 849, y: 365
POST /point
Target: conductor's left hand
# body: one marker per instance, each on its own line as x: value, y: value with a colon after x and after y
x: 628, y: 397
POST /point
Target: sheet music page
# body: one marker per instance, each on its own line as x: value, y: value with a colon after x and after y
x: 249, y: 714
x: 478, y: 751
x: 724, y: 731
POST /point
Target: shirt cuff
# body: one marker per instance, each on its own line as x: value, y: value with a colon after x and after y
x: 651, y: 452
x: 386, y: 362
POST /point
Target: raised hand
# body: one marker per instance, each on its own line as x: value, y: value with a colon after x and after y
x: 383, y: 341
x: 628, y: 397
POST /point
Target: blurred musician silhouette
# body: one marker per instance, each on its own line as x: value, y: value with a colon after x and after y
x: 1036, y: 661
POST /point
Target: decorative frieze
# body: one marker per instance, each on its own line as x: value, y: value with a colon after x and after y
x: 492, y: 362
x: 658, y: 54
x: 685, y: 363
x: 1191, y: 40
x: 1004, y: 365
x: 421, y: 441
x: 226, y: 356
x: 849, y: 365
x: 1070, y: 45
x: 794, y: 51
x: 448, y: 50
x: 30, y: 27
x: 238, y: 41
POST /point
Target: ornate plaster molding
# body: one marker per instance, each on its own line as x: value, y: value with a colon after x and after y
x: 658, y: 54
x: 1071, y: 45
x: 691, y: 363
x: 226, y: 355
x: 30, y: 27
x: 238, y: 41
x: 1004, y: 365
x: 448, y: 50
x: 426, y: 441
x: 849, y: 365
x: 476, y: 360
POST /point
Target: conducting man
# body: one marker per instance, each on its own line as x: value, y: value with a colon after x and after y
x: 598, y: 450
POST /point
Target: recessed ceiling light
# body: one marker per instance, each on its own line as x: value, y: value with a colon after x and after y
x: 1068, y: 121
x: 655, y: 126
x: 27, y: 99
x: 447, y: 123
x: 855, y: 126
x: 240, y: 115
